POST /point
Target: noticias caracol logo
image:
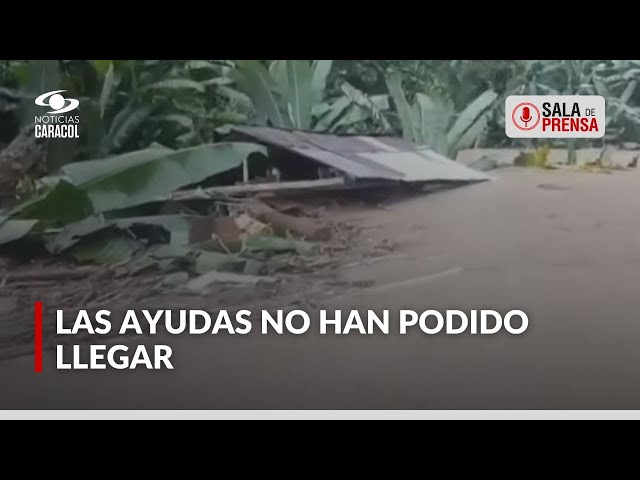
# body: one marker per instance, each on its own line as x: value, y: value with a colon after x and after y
x: 54, y: 124
x: 57, y: 102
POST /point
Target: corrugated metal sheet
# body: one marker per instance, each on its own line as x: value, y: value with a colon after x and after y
x: 362, y: 157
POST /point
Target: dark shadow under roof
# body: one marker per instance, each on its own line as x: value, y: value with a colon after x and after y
x: 366, y: 157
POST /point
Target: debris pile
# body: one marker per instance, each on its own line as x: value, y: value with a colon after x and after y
x: 216, y: 212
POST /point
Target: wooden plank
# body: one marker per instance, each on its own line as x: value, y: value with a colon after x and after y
x: 310, y: 229
x: 245, y: 170
x: 52, y: 274
x: 258, y: 188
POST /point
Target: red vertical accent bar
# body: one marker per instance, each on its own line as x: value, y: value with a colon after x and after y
x: 38, y: 337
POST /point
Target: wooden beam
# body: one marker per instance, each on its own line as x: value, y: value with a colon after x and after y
x: 310, y: 229
x: 245, y: 170
x: 323, y: 183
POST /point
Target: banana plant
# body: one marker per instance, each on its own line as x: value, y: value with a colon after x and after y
x: 352, y: 112
x: 284, y: 93
x: 433, y: 121
x: 615, y: 80
x: 293, y: 94
x: 173, y: 102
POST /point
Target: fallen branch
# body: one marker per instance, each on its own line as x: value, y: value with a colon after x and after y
x: 53, y: 274
x: 307, y: 228
x: 323, y: 183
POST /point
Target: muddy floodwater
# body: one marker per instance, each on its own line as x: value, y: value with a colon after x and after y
x: 563, y: 247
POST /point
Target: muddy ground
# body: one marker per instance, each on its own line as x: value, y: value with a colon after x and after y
x: 562, y: 246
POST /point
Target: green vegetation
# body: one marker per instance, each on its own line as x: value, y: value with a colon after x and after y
x: 129, y: 105
x: 148, y: 128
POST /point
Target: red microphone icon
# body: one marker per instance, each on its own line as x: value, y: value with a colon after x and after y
x: 526, y: 116
x: 529, y: 114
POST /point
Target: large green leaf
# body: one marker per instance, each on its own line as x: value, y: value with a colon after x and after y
x: 628, y: 91
x: 238, y: 100
x: 617, y: 107
x: 471, y: 135
x: 253, y: 79
x: 348, y: 123
x: 374, y: 107
x: 124, y: 125
x: 198, y: 261
x: 42, y: 76
x: 220, y: 262
x: 380, y: 101
x: 64, y: 203
x: 184, y: 122
x: 216, y: 82
x: 321, y: 69
x: 178, y: 227
x: 394, y: 84
x: 107, y: 87
x: 82, y: 172
x: 278, y: 73
x: 469, y: 116
x: 299, y: 96
x: 433, y: 118
x: 74, y: 232
x: 320, y: 109
x: 201, y: 65
x: 91, y: 243
x: 12, y: 230
x: 272, y: 245
x: 177, y: 84
x: 155, y: 175
x: 600, y: 86
x: 332, y: 113
x: 106, y: 249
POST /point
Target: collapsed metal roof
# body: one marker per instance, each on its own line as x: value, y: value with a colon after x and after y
x: 365, y: 157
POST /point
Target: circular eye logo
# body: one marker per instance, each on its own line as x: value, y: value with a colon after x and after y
x: 525, y: 116
x: 57, y: 102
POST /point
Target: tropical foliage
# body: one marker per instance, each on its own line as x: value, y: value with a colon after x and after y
x: 129, y: 105
x: 148, y: 128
